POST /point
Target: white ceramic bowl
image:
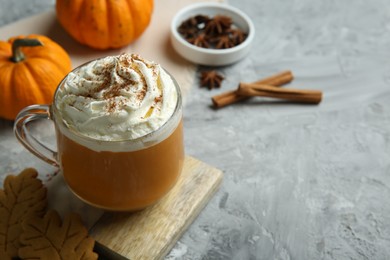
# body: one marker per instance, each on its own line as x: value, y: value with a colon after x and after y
x: 212, y: 57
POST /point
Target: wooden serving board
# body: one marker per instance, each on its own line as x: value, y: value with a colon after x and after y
x: 151, y: 233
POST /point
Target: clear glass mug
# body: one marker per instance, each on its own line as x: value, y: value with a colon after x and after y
x: 114, y: 175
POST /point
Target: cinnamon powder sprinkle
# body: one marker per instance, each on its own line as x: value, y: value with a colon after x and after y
x: 111, y: 90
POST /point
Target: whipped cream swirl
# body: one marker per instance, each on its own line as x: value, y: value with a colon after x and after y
x: 117, y: 98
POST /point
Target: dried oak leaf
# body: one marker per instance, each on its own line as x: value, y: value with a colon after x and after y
x: 23, y: 196
x: 48, y: 238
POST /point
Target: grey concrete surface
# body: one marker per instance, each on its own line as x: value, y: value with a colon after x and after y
x: 300, y: 181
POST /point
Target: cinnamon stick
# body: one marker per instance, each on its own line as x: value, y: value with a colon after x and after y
x: 233, y: 96
x: 296, y: 95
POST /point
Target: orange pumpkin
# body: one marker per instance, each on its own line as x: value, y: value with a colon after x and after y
x: 104, y: 24
x: 30, y: 69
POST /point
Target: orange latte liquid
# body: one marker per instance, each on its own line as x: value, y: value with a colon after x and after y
x: 122, y: 180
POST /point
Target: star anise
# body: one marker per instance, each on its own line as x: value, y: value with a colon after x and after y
x: 217, y: 32
x: 188, y: 32
x: 211, y: 79
x: 201, y: 20
x: 237, y: 36
x: 222, y: 41
x: 200, y: 40
x: 190, y: 27
x: 218, y: 24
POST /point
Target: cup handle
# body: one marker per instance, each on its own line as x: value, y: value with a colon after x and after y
x: 25, y: 116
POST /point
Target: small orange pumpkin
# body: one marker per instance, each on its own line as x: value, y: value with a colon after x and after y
x: 104, y: 24
x: 30, y: 69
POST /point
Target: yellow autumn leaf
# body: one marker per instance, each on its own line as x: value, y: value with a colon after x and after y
x: 23, y: 196
x: 48, y: 238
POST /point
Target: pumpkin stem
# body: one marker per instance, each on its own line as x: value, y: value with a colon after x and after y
x: 17, y: 54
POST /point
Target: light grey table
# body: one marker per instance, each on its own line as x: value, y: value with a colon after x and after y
x: 301, y: 181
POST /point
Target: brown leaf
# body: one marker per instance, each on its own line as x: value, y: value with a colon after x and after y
x: 23, y: 196
x: 48, y: 238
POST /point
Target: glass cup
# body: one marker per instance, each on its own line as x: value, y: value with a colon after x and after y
x: 114, y: 175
